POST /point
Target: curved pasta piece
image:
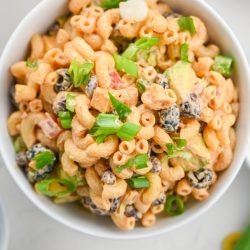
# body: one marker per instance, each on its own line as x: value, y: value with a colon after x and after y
x: 69, y: 166
x: 114, y: 191
x: 93, y: 180
x: 28, y: 126
x: 14, y: 122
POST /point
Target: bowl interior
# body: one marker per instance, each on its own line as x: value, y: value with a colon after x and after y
x: 72, y: 215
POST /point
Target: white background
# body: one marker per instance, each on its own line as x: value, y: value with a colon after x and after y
x: 32, y: 230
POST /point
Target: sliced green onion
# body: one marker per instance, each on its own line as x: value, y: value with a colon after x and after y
x: 180, y: 143
x: 70, y: 103
x: 146, y: 42
x: 244, y: 241
x: 171, y: 148
x: 174, y: 205
x: 128, y: 131
x: 223, y: 65
x: 181, y: 154
x: 129, y: 164
x: 187, y: 24
x: 19, y: 144
x: 142, y: 84
x: 44, y: 158
x: 141, y: 161
x: 184, y: 52
x: 65, y: 119
x: 130, y: 52
x: 32, y: 65
x: 138, y: 182
x: 110, y: 4
x: 122, y: 110
x: 105, y: 125
x: 62, y: 187
x: 126, y: 65
x: 80, y: 74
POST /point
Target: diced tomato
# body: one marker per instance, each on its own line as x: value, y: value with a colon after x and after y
x: 116, y: 81
x: 50, y: 127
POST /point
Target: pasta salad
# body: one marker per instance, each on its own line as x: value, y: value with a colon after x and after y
x: 128, y: 113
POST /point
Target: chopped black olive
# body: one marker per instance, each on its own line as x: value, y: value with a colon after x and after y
x: 191, y: 106
x: 201, y: 178
x: 160, y: 200
x: 131, y: 211
x: 91, y: 86
x: 156, y: 164
x: 63, y: 81
x: 108, y: 177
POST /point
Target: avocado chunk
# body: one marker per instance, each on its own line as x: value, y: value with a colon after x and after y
x: 182, y: 80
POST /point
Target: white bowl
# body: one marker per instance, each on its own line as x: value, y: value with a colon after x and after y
x: 4, y: 229
x: 38, y: 20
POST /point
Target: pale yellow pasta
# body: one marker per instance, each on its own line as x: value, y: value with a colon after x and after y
x: 183, y: 188
x: 82, y: 105
x: 162, y: 8
x: 114, y: 191
x: 148, y: 119
x: 156, y: 22
x: 35, y: 105
x: 146, y: 133
x: 145, y: 31
x: 157, y: 209
x: 24, y: 93
x: 200, y: 194
x: 173, y: 52
x: 172, y: 174
x: 148, y: 219
x: 152, y: 193
x: 109, y: 47
x: 105, y: 22
x: 28, y: 126
x: 94, y: 40
x: 216, y: 122
x: 156, y: 97
x: 72, y: 54
x: 75, y: 6
x: 207, y: 115
x: 83, y: 24
x: 14, y: 122
x: 232, y: 137
x: 161, y: 137
x: 99, y: 201
x: 208, y: 51
x: 93, y: 180
x: 128, y: 80
x: 101, y: 167
x: 24, y: 107
x: 104, y: 63
x: 141, y: 146
x: 128, y: 28
x: 127, y: 147
x: 119, y: 158
x: 49, y: 42
x: 62, y: 137
x: 156, y: 148
x: 69, y: 166
x: 210, y: 138
x: 56, y: 58
x: 149, y: 73
x: 62, y: 37
x: 42, y: 138
x: 224, y: 159
x: 203, y: 66
x: 37, y: 47
x: 20, y: 70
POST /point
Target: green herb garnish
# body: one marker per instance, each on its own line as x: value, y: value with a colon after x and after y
x: 44, y: 158
x: 70, y: 105
x: 142, y: 85
x: 110, y: 4
x: 126, y: 65
x: 122, y: 110
x: 32, y: 65
x: 128, y: 131
x: 61, y: 187
x: 80, y: 74
x: 187, y: 24
x: 65, y: 119
x: 223, y: 65
x: 139, y: 161
x: 174, y: 205
x: 184, y: 52
x: 138, y: 182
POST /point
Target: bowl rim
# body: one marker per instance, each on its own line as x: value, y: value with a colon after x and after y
x: 147, y: 233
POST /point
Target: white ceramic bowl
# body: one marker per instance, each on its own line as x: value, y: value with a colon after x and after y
x: 4, y: 229
x: 38, y: 20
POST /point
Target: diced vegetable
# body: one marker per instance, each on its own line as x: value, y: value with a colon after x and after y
x: 126, y: 65
x: 184, y: 52
x: 55, y: 187
x: 128, y: 131
x: 174, y: 205
x: 50, y: 126
x: 142, y: 84
x: 105, y: 125
x: 44, y: 158
x: 19, y: 144
x: 187, y: 24
x: 32, y: 65
x: 80, y: 74
x: 110, y: 4
x: 70, y: 103
x: 138, y: 182
x: 223, y: 65
x: 65, y: 119
x: 122, y: 110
